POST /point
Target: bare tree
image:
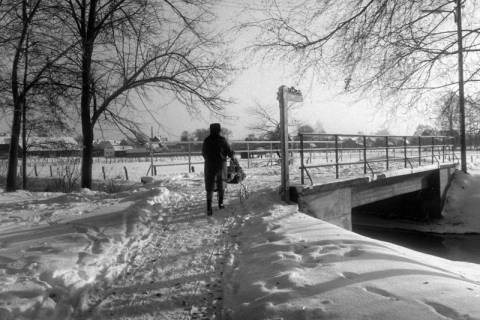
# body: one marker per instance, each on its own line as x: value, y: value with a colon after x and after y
x: 267, y: 121
x: 131, y: 48
x: 446, y: 111
x: 407, y: 47
x: 201, y: 134
x: 29, y: 49
x: 424, y: 130
x: 186, y: 136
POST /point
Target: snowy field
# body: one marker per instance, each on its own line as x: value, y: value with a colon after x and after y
x: 149, y: 252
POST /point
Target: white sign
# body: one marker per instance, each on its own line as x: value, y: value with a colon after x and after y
x: 293, y: 95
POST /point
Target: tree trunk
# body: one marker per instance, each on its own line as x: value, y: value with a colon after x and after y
x: 24, y: 146
x: 87, y: 126
x: 88, y: 38
x: 87, y: 154
x: 24, y: 118
x: 11, y: 184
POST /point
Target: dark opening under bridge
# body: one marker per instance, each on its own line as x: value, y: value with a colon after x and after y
x: 373, y: 169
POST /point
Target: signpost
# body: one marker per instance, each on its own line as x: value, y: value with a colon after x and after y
x: 285, y: 95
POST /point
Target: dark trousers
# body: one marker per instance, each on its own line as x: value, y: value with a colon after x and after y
x: 215, y: 178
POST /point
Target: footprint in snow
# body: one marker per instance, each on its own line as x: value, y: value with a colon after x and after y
x: 381, y: 292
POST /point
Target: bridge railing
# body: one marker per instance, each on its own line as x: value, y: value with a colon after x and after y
x: 370, y: 153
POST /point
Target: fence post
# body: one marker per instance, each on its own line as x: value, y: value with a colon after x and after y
x: 443, y: 149
x: 248, y: 155
x: 126, y: 172
x: 433, y: 149
x: 386, y: 150
x: 189, y: 157
x: 419, y: 151
x: 405, y: 151
x: 35, y: 170
x: 452, y: 147
x: 51, y: 172
x: 302, y: 178
x: 336, y: 156
x: 364, y: 155
x: 103, y: 171
x: 151, y: 147
x: 271, y: 154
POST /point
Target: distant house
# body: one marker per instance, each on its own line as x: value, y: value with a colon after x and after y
x: 158, y: 144
x: 110, y: 150
x: 137, y: 152
x: 5, y: 147
x: 99, y: 146
x: 4, y: 150
x: 53, y: 146
x: 103, y: 143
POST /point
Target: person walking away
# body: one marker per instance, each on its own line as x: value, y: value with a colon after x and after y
x: 215, y: 150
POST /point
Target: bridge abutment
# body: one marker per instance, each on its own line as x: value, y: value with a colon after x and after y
x: 421, y: 193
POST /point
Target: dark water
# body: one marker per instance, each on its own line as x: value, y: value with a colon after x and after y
x: 450, y: 246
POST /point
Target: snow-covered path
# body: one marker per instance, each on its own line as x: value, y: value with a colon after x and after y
x: 178, y: 273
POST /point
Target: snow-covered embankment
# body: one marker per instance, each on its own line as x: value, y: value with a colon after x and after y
x: 293, y: 266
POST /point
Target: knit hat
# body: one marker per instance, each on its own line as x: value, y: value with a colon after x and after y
x: 215, y: 128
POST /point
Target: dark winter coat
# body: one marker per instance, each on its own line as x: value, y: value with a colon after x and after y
x: 215, y: 151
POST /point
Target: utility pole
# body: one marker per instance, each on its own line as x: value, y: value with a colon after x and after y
x: 461, y: 91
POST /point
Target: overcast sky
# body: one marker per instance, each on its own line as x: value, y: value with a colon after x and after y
x: 259, y: 82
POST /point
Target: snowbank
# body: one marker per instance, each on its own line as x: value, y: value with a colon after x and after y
x: 461, y: 204
x: 49, y: 263
x: 292, y: 266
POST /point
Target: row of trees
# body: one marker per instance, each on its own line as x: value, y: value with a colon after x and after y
x: 446, y: 116
x: 92, y: 61
x: 444, y: 113
x: 266, y: 123
x: 202, y: 133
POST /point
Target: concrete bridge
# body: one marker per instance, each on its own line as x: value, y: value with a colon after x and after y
x: 423, y: 188
x: 334, y: 201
